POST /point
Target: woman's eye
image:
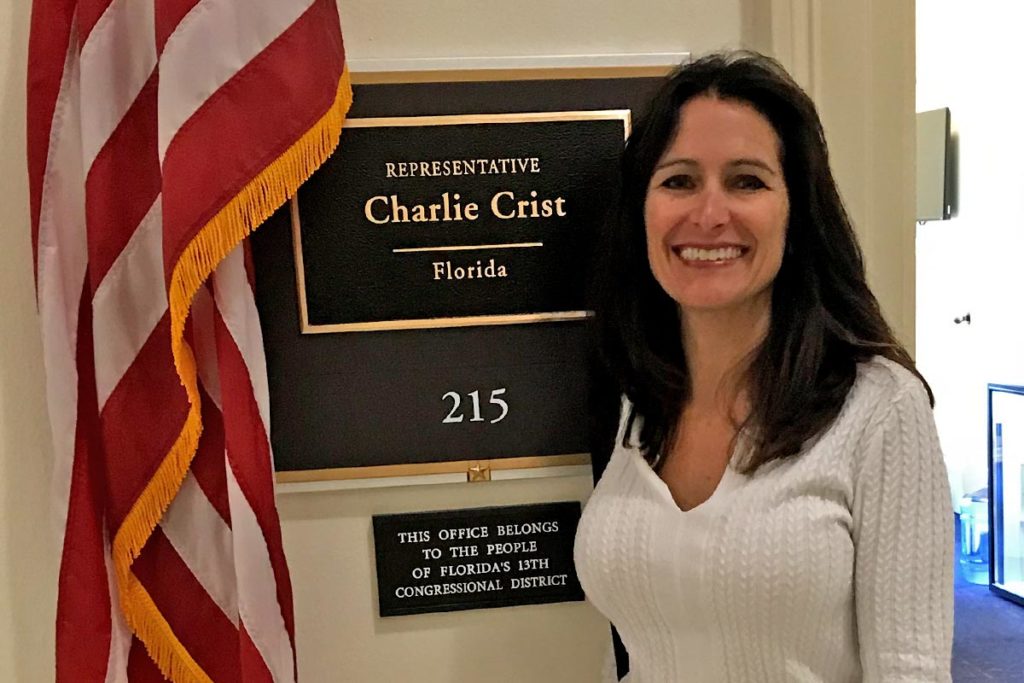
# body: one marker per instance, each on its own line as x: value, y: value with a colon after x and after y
x: 678, y: 182
x: 748, y: 182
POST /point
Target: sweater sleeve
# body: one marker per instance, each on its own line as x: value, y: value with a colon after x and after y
x: 903, y: 538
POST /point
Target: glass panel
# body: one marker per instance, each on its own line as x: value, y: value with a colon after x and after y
x: 1007, y: 425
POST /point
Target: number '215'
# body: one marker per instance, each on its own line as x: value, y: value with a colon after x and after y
x: 454, y: 415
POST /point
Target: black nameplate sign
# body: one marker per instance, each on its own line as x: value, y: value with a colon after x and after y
x: 476, y: 558
x: 425, y: 222
x: 401, y: 401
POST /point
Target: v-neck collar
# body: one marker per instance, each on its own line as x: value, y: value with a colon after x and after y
x: 725, y: 484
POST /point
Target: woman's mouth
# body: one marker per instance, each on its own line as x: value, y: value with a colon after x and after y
x: 713, y: 255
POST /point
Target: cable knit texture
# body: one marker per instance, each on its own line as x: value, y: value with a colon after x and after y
x: 834, y: 565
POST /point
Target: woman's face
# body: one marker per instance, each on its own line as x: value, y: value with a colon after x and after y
x: 717, y: 208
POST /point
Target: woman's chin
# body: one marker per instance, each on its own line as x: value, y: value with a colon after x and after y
x: 722, y: 302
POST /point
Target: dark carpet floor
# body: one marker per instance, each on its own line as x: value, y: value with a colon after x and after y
x: 988, y: 635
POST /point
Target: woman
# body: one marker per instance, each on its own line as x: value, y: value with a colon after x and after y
x: 776, y: 507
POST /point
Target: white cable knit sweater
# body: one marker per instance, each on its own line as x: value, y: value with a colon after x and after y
x: 834, y: 565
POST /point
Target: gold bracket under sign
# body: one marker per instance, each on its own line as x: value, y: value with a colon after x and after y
x: 475, y: 470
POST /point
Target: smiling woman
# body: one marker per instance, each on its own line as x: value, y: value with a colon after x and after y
x: 776, y: 480
x: 717, y: 209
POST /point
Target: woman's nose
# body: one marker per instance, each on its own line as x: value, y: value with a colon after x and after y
x: 712, y: 210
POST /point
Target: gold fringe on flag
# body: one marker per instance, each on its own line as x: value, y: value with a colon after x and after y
x: 254, y: 204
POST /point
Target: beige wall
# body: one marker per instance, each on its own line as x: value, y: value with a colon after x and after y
x: 328, y: 540
x: 327, y: 534
x: 856, y: 59
x: 391, y: 29
x: 28, y: 565
x: 865, y: 88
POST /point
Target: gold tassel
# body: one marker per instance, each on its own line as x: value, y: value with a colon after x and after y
x: 254, y: 204
x: 164, y: 648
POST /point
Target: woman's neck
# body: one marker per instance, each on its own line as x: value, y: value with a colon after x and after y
x: 718, y: 346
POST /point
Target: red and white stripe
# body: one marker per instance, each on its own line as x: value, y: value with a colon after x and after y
x: 145, y: 119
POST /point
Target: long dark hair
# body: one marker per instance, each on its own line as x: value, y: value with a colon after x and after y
x: 825, y: 320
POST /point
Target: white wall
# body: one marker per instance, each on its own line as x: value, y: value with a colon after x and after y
x: 28, y: 565
x: 967, y: 57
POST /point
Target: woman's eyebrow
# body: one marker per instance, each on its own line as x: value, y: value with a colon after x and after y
x: 753, y: 162
x: 676, y: 162
x: 757, y: 163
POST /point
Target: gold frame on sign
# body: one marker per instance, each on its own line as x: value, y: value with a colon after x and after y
x: 463, y: 321
x: 479, y: 469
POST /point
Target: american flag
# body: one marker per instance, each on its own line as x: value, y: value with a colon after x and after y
x: 160, y: 133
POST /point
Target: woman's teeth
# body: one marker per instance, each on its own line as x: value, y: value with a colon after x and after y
x: 721, y: 254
